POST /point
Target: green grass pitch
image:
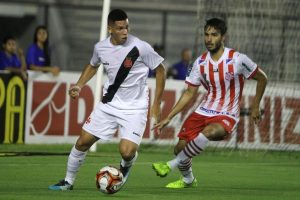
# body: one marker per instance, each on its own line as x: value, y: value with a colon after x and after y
x: 222, y: 174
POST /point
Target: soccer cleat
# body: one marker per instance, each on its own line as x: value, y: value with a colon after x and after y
x: 125, y: 171
x: 61, y: 185
x: 162, y: 169
x: 181, y: 184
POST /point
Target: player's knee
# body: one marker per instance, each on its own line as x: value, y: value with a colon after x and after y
x: 82, y: 145
x: 127, y: 155
x: 214, y: 132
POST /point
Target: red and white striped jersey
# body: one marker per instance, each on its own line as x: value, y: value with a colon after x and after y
x: 223, y: 80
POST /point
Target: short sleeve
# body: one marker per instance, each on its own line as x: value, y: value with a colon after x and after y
x: 17, y: 62
x: 193, y: 74
x: 95, y: 60
x: 246, y: 66
x: 30, y: 57
x: 149, y: 56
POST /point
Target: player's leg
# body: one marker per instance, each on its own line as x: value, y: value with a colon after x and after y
x: 183, y: 160
x: 100, y: 124
x: 132, y: 127
x: 217, y: 129
x: 128, y: 151
x: 161, y: 168
x: 75, y: 160
x: 185, y: 168
x: 193, y: 148
x: 196, y: 146
x: 78, y: 154
x: 189, y: 130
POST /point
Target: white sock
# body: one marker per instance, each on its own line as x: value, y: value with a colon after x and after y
x: 125, y: 163
x: 75, y: 160
x: 185, y: 169
x: 192, y: 149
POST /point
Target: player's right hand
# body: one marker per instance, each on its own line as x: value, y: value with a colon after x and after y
x: 74, y: 91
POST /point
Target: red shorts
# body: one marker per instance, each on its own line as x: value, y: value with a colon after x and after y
x: 195, y: 123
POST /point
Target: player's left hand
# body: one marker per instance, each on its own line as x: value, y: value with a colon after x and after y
x: 255, y: 114
x: 159, y: 126
x: 155, y: 113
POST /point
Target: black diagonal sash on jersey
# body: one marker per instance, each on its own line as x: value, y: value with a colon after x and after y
x: 121, y: 75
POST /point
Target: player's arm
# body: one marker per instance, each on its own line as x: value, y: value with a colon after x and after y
x: 185, y: 98
x: 88, y: 72
x: 23, y: 63
x: 262, y: 80
x: 160, y: 85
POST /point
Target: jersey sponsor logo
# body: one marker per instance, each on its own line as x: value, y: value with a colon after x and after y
x: 215, y: 69
x: 214, y: 112
x: 137, y: 134
x: 105, y: 63
x: 128, y: 62
x: 229, y: 76
x: 247, y: 68
x: 88, y: 120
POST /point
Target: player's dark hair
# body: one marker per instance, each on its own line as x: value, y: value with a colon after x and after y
x: 8, y: 37
x: 116, y: 15
x: 46, y: 47
x: 216, y: 23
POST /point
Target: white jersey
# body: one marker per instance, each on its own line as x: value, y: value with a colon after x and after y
x: 127, y: 68
x: 223, y: 80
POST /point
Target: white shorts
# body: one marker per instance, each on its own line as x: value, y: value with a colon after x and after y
x: 105, y: 120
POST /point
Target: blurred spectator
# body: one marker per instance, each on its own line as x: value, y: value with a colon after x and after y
x: 38, y: 55
x: 178, y: 70
x: 12, y: 58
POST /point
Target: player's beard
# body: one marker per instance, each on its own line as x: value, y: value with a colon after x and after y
x: 216, y: 49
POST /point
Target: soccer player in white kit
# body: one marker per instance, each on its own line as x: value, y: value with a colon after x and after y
x: 221, y: 71
x: 124, y: 105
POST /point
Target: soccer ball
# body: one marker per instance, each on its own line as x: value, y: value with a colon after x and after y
x: 109, y: 180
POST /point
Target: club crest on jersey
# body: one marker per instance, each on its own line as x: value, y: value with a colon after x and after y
x: 128, y: 62
x: 229, y: 76
x: 88, y: 120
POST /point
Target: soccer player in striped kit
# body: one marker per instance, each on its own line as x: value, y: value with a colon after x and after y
x: 124, y: 106
x: 221, y: 71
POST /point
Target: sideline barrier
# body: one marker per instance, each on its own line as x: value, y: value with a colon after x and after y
x: 52, y: 117
x: 12, y: 108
